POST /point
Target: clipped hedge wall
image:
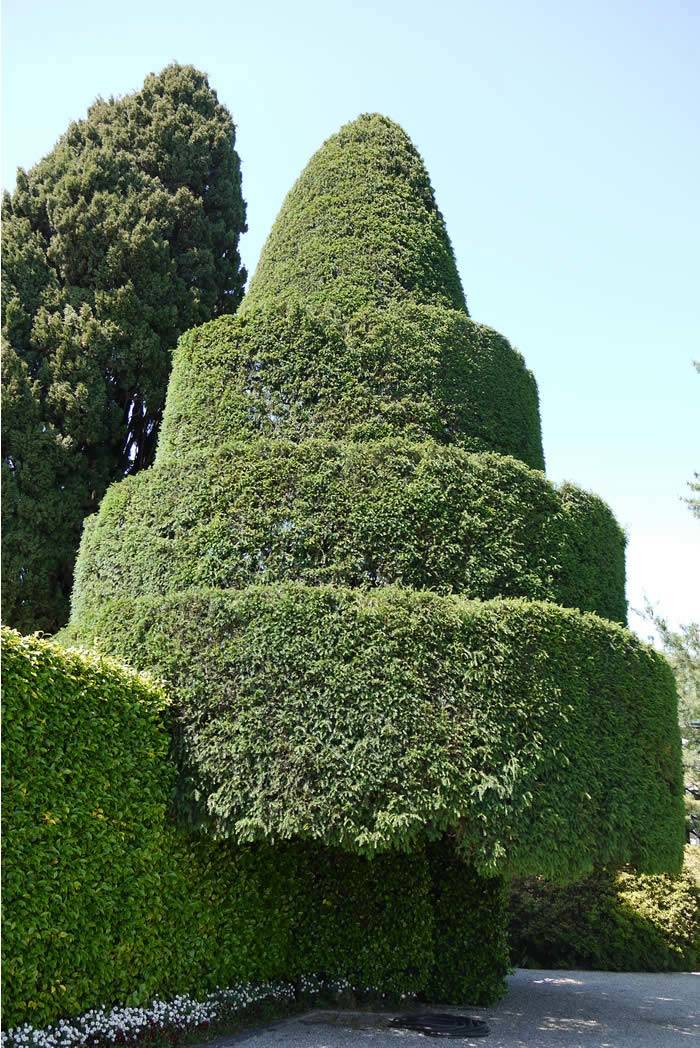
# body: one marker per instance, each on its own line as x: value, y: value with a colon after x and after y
x: 368, y: 719
x: 421, y: 372
x: 610, y: 921
x: 107, y: 901
x: 71, y: 805
x: 406, y: 923
x: 368, y: 515
x: 370, y: 921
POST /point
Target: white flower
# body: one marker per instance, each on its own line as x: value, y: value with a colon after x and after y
x: 102, y: 1028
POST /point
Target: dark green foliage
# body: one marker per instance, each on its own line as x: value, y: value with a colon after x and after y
x: 371, y: 921
x: 105, y: 901
x: 33, y: 463
x: 610, y: 921
x: 369, y: 720
x: 471, y: 930
x: 371, y: 514
x: 124, y: 236
x: 359, y: 228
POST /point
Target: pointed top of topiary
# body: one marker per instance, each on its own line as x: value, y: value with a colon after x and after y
x: 359, y: 227
x: 355, y: 326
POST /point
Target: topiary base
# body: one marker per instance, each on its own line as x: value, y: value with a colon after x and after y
x: 470, y: 916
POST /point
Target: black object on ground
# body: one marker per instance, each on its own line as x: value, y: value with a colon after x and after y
x: 441, y: 1024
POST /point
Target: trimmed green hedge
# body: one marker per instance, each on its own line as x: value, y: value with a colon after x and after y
x: 610, y: 921
x: 368, y: 515
x: 413, y: 371
x: 372, y: 720
x: 106, y: 901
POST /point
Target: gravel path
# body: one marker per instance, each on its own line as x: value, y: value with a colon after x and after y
x: 543, y: 1009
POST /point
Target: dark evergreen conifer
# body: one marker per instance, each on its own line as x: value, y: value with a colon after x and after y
x: 124, y: 236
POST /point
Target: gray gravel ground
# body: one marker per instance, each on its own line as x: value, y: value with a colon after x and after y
x: 543, y: 1009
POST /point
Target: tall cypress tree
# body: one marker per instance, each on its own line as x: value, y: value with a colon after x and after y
x: 124, y: 236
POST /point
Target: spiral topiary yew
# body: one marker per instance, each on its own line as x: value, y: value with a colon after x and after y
x: 366, y: 598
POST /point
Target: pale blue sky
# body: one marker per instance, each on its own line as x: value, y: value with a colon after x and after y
x: 562, y: 141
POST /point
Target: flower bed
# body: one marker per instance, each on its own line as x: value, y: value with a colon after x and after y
x: 174, y: 1020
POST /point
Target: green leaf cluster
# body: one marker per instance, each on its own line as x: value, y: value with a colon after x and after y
x: 107, y: 901
x: 119, y: 240
x: 610, y: 921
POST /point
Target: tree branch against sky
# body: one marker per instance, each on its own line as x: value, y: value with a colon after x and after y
x: 694, y: 485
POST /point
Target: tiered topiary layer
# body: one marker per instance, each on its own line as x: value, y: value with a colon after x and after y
x: 372, y: 720
x: 411, y: 371
x: 360, y: 227
x: 349, y: 440
x: 358, y: 514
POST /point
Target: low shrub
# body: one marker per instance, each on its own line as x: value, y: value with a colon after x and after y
x: 610, y: 921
